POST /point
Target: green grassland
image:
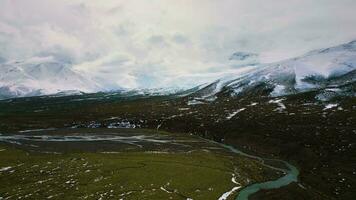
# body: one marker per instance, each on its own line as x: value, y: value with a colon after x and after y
x: 198, y: 175
x: 139, y: 173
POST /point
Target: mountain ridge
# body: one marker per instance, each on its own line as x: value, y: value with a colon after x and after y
x: 315, y: 70
x: 311, y: 71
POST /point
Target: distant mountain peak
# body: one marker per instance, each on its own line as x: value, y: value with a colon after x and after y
x: 242, y: 56
x: 42, y: 76
x: 242, y: 59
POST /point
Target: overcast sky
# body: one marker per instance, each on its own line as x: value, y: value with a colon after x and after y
x: 157, y: 43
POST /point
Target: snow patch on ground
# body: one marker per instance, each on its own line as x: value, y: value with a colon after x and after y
x: 333, y: 89
x: 231, y: 115
x: 233, y: 179
x: 253, y: 104
x: 281, y: 106
x: 5, y: 169
x: 330, y: 106
x: 227, y: 194
x: 194, y: 102
x: 164, y: 189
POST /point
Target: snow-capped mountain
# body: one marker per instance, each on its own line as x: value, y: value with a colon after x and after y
x: 42, y: 76
x: 331, y: 70
x: 326, y: 69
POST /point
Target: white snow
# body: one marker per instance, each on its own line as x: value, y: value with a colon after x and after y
x: 5, y: 169
x: 194, y: 102
x: 233, y: 179
x: 278, y: 90
x: 281, y: 106
x: 333, y: 89
x: 183, y: 109
x: 231, y: 115
x: 164, y: 189
x: 329, y: 106
x: 227, y: 194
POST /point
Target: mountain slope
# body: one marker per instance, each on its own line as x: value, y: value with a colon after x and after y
x: 320, y: 69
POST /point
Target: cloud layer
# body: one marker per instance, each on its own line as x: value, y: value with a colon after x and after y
x: 160, y: 43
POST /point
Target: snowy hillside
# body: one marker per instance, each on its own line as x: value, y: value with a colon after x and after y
x: 42, y: 76
x: 319, y: 69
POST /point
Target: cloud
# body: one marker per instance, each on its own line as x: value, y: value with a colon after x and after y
x: 158, y: 43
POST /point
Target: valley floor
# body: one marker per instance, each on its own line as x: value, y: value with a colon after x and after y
x: 122, y: 164
x: 319, y: 137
